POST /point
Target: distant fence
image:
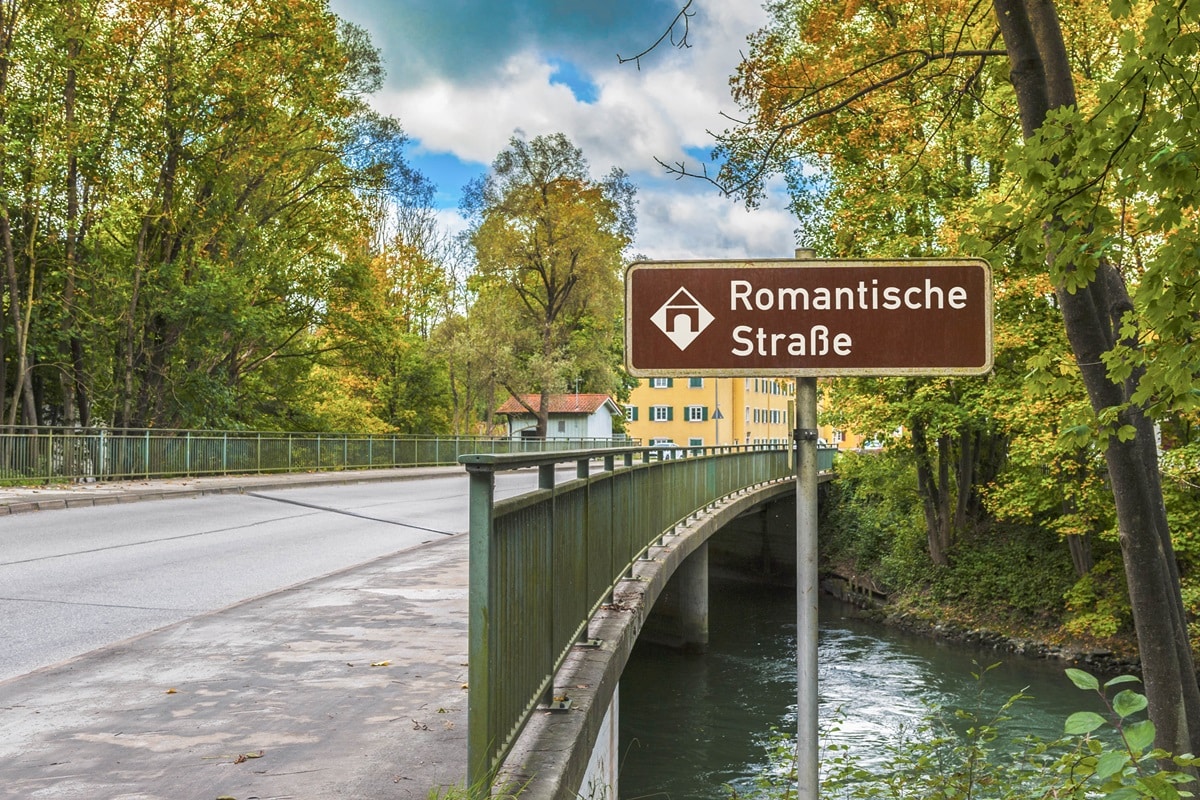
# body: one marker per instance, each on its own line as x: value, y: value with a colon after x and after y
x: 46, y: 455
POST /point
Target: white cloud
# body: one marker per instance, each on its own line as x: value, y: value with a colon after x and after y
x: 639, y: 116
x: 676, y: 226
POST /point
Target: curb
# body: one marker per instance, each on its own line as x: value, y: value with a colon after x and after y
x: 159, y: 493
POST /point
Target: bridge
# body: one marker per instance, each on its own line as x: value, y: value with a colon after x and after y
x: 561, y: 582
x: 574, y: 566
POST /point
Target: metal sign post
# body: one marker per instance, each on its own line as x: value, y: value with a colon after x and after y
x: 807, y: 778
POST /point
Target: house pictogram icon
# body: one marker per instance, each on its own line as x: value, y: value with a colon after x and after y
x: 682, y: 318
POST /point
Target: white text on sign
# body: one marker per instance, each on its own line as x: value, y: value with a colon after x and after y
x: 818, y: 341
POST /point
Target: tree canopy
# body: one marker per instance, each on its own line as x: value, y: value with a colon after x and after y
x: 182, y: 196
x: 549, y: 242
x: 1055, y: 140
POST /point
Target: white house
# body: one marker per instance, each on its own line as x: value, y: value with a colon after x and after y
x: 572, y: 416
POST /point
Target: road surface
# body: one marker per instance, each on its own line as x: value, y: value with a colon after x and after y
x: 77, y: 579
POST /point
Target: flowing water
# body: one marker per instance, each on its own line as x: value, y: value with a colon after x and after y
x: 690, y: 725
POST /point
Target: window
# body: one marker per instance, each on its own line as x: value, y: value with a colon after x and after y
x: 696, y: 441
x: 631, y: 413
x: 660, y: 413
x: 696, y: 413
x: 660, y: 383
x: 774, y: 416
x: 695, y: 383
x: 839, y: 436
x: 562, y: 426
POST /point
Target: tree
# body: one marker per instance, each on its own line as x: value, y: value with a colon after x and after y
x: 182, y: 188
x: 1100, y: 189
x: 548, y: 241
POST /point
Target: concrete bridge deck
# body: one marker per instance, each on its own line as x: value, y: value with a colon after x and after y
x: 348, y: 686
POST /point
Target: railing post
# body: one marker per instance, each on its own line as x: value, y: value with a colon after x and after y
x: 480, y: 734
x: 258, y: 453
x: 146, y: 453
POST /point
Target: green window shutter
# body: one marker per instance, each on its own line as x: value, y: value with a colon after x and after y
x: 670, y: 382
x: 633, y: 413
x: 704, y: 413
x: 670, y: 413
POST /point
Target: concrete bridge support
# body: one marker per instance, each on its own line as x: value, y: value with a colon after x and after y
x: 693, y: 600
x: 680, y: 618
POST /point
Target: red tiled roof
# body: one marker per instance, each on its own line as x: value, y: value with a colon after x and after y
x: 559, y: 404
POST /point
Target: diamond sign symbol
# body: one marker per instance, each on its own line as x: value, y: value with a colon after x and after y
x: 682, y: 318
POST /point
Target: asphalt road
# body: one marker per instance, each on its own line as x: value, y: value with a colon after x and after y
x: 77, y: 579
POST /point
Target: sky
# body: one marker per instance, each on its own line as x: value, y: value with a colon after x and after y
x: 464, y: 76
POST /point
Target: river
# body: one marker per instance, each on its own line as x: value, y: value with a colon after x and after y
x: 690, y: 725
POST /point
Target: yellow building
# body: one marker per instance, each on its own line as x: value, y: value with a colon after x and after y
x: 751, y: 411
x: 703, y: 412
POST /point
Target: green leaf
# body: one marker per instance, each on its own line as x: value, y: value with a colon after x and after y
x: 1128, y: 702
x: 1122, y: 679
x: 1084, y: 680
x: 1124, y: 793
x: 1111, y: 763
x: 1083, y: 722
x: 1140, y: 735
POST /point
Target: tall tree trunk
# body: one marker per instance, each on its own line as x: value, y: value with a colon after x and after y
x: 22, y: 397
x: 964, y: 475
x: 71, y: 384
x: 1042, y: 79
x: 23, y: 389
x: 933, y: 490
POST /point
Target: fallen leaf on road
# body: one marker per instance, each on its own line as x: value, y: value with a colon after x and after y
x: 176, y: 691
x: 381, y: 664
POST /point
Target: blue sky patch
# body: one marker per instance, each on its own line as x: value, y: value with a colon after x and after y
x: 567, y: 74
x: 449, y: 173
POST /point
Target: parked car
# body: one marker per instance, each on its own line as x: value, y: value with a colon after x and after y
x: 667, y: 449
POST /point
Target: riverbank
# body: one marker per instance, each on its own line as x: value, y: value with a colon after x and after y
x: 961, y: 627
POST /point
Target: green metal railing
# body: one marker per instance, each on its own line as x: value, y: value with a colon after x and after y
x: 541, y: 564
x: 46, y: 454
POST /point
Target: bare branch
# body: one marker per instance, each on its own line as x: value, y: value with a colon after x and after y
x: 684, y: 16
x: 924, y: 59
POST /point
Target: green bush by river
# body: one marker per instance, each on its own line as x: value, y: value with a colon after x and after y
x: 1014, y: 578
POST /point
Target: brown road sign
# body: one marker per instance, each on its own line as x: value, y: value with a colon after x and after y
x: 809, y: 318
